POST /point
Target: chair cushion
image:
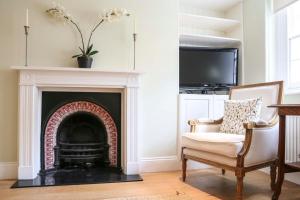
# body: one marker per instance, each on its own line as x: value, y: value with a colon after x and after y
x: 211, y: 157
x: 218, y: 143
x: 237, y: 112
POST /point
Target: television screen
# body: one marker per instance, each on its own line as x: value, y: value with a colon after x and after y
x: 207, y: 67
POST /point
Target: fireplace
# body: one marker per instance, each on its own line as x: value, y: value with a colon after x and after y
x: 69, y: 120
x: 80, y: 130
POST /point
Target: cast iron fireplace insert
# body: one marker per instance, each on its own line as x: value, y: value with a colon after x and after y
x: 81, y: 142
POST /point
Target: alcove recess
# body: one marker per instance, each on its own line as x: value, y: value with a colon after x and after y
x: 214, y: 24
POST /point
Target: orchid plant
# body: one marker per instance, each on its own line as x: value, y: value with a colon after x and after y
x: 59, y: 12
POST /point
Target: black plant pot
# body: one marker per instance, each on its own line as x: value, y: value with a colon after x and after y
x: 84, y: 61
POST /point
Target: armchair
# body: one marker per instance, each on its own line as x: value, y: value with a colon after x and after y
x: 239, y: 153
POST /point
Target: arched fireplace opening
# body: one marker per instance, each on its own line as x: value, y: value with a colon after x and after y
x: 80, y: 134
x: 81, y: 142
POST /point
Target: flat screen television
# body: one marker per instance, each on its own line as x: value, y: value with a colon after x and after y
x: 202, y: 67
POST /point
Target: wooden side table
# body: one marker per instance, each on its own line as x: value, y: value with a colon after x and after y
x: 283, y: 111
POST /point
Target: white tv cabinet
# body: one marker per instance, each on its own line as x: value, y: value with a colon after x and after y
x: 197, y: 106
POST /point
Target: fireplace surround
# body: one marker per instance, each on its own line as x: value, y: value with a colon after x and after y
x: 90, y: 116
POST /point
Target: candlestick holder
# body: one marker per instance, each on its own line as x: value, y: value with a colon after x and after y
x: 26, y: 28
x: 134, y: 42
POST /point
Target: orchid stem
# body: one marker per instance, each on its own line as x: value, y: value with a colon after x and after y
x: 80, y: 34
x: 93, y: 30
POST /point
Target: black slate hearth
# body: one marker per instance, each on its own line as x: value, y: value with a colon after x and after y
x: 78, y: 177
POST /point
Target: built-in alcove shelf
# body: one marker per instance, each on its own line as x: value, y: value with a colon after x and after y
x: 187, y: 39
x: 212, y: 23
x: 216, y: 5
x: 207, y: 22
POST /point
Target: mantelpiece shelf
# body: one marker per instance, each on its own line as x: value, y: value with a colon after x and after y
x: 207, y: 22
x: 74, y: 69
x: 207, y: 40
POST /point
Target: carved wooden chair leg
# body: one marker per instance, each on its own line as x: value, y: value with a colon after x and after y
x: 239, y: 184
x: 223, y: 171
x: 273, y: 176
x: 184, y: 161
x: 239, y: 188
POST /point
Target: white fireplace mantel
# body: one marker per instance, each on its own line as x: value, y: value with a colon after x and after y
x: 34, y: 80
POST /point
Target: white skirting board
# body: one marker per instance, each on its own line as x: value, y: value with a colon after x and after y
x: 159, y: 164
x: 8, y: 170
x: 166, y: 163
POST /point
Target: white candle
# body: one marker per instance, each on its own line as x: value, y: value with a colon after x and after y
x: 27, y: 23
x: 134, y: 25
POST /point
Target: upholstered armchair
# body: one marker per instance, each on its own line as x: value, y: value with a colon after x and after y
x: 241, y: 153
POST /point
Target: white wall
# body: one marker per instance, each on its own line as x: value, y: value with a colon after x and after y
x: 258, y: 43
x: 53, y: 44
x: 255, y: 49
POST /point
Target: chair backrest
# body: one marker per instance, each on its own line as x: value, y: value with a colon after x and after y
x: 271, y: 93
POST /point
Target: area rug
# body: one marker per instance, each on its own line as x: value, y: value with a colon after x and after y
x: 177, y: 196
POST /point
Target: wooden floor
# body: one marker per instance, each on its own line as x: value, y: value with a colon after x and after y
x: 206, y: 184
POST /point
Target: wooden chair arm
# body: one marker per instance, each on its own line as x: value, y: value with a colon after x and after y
x: 250, y: 126
x: 255, y: 125
x: 195, y: 122
x: 247, y: 143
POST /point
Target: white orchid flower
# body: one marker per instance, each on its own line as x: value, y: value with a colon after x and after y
x: 59, y: 12
x: 114, y: 14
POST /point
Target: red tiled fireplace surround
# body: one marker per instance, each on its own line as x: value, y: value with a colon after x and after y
x: 68, y: 109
